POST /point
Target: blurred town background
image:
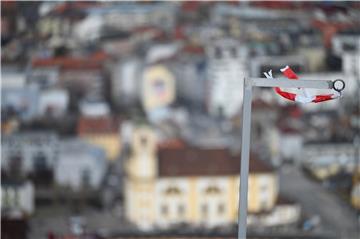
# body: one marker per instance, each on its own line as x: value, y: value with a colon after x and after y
x: 123, y: 120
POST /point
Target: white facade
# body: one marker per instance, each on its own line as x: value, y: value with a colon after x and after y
x: 29, y: 151
x: 125, y: 79
x: 226, y: 72
x: 44, y: 77
x: 17, y: 198
x: 56, y: 101
x: 80, y: 165
x: 281, y: 215
x: 327, y: 154
x: 291, y: 146
x: 94, y: 109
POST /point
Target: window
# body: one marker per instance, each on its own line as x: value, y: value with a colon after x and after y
x: 85, y: 177
x: 263, y: 205
x: 15, y: 164
x: 263, y: 188
x: 164, y: 210
x: 349, y: 46
x: 221, y: 209
x: 39, y: 162
x: 181, y: 210
x: 204, y: 210
x: 212, y: 190
x: 172, y: 191
x: 218, y: 53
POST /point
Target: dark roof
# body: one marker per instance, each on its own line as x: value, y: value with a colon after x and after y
x: 191, y: 161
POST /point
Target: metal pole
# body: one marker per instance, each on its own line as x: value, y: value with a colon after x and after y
x: 245, y: 153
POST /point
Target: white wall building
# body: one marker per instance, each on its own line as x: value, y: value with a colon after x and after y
x: 53, y: 101
x: 17, y: 198
x: 226, y: 72
x: 329, y: 156
x: 29, y: 152
x: 80, y: 165
x: 125, y: 79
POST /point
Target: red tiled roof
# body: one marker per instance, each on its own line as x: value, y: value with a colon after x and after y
x: 68, y: 62
x: 190, y: 161
x: 194, y: 49
x: 62, y: 8
x: 98, y: 125
x: 171, y: 144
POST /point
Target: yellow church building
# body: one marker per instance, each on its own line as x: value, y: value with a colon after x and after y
x: 186, y: 184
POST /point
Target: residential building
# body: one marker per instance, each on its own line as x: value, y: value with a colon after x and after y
x: 126, y: 81
x: 44, y: 76
x: 227, y: 68
x: 17, y: 198
x: 291, y: 142
x: 103, y: 132
x: 261, y: 64
x: 117, y: 15
x: 53, y: 102
x: 16, y: 96
x: 80, y: 165
x: 191, y: 71
x: 29, y: 153
x: 178, y: 183
x: 82, y: 76
x: 327, y: 158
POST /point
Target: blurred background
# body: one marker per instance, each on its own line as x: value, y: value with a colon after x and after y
x: 123, y: 119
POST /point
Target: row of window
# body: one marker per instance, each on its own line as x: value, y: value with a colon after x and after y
x: 220, y: 210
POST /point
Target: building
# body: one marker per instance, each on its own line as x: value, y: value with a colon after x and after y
x: 226, y: 72
x: 178, y: 183
x: 32, y: 153
x: 44, y: 76
x: 17, y: 198
x: 261, y: 64
x: 17, y: 97
x: 103, y: 132
x: 125, y: 82
x: 327, y: 158
x: 191, y: 72
x: 82, y: 76
x: 291, y: 141
x: 80, y: 165
x: 53, y: 102
x: 158, y: 91
x: 116, y: 16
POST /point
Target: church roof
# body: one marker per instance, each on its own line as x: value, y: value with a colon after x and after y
x: 192, y: 161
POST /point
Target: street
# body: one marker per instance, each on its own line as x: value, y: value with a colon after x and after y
x: 336, y: 216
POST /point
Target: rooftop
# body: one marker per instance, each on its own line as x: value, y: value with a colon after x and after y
x: 194, y: 161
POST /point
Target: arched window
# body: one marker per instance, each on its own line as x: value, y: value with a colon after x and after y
x: 172, y: 191
x: 212, y: 190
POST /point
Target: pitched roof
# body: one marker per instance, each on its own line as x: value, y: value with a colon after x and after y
x: 98, y: 125
x: 94, y: 61
x: 191, y: 161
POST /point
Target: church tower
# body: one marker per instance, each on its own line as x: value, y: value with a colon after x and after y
x: 141, y: 170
